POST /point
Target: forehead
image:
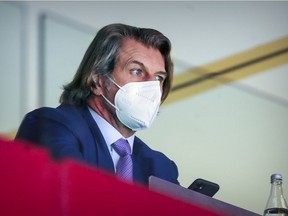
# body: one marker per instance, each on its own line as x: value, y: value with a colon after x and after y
x: 149, y: 56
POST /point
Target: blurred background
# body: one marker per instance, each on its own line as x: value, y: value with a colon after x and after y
x: 226, y: 119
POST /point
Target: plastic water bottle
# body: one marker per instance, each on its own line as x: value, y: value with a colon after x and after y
x: 276, y: 203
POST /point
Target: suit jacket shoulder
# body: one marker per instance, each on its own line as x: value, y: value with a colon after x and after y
x: 67, y: 131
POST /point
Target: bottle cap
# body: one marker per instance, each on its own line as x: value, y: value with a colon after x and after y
x: 276, y: 176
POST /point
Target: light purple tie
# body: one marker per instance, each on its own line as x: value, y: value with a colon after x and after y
x: 124, y: 166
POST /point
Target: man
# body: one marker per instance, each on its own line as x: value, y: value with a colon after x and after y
x: 124, y: 76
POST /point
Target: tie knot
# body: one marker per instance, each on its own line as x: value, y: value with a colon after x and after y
x: 122, y: 147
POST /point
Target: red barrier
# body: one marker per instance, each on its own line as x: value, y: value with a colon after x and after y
x: 33, y: 184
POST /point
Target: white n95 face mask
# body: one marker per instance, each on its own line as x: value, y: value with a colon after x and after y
x: 137, y: 103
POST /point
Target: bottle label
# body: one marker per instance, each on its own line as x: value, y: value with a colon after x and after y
x: 276, y: 212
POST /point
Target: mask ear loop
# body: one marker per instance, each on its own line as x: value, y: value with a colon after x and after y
x: 110, y: 102
x: 116, y: 84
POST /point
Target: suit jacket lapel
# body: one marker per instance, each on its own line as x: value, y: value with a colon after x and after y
x: 104, y: 160
x: 142, y: 164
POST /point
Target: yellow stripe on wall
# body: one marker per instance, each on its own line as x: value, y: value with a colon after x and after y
x: 233, y: 68
x: 10, y: 135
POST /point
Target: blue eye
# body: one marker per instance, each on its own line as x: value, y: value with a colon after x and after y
x: 137, y: 71
x: 159, y: 78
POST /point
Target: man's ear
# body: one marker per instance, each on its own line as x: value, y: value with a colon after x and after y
x: 98, y: 86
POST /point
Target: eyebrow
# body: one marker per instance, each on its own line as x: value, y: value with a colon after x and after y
x: 145, y: 68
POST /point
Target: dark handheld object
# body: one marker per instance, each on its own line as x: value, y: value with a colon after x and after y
x: 205, y: 187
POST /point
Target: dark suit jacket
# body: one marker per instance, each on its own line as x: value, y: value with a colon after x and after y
x: 70, y: 131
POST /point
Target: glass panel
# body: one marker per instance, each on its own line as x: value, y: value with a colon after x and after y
x: 64, y: 45
x: 11, y: 66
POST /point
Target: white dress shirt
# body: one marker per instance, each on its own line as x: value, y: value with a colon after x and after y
x: 110, y: 135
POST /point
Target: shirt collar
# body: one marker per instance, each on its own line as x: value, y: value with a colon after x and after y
x: 109, y: 133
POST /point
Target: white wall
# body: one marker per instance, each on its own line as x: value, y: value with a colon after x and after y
x: 11, y: 67
x: 234, y: 134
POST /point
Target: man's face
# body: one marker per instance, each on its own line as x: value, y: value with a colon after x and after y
x: 136, y: 63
